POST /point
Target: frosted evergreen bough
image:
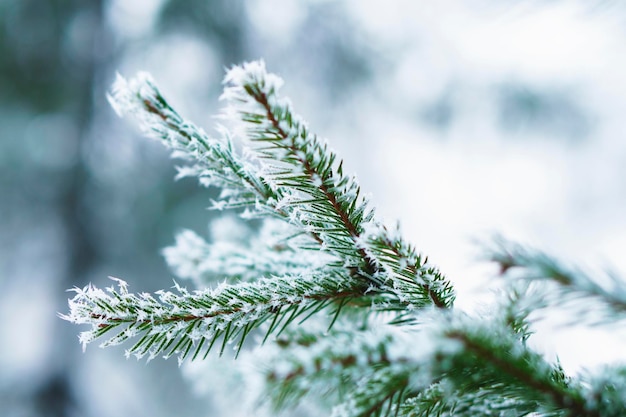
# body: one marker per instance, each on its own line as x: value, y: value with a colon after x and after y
x: 336, y: 308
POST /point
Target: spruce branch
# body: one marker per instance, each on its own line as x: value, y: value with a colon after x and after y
x: 273, y: 252
x: 366, y: 371
x: 185, y: 323
x: 451, y: 365
x: 597, y: 299
x: 491, y: 360
x: 215, y: 161
x: 299, y: 179
x: 607, y: 391
x: 324, y: 200
x: 335, y: 263
x: 439, y: 400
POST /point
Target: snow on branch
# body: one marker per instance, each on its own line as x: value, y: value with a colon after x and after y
x: 391, y: 342
x: 365, y: 371
x: 291, y: 175
x: 183, y: 323
x: 320, y: 197
x: 480, y: 367
x: 451, y: 364
x: 598, y: 298
x: 265, y: 255
x: 213, y: 160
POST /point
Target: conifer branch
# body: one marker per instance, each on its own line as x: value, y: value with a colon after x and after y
x: 327, y: 201
x: 313, y: 194
x: 215, y: 160
x: 301, y: 184
x: 597, y: 299
x: 440, y: 400
x: 204, y: 263
x: 337, y: 264
x: 368, y: 371
x: 607, y: 391
x: 492, y: 359
x: 183, y: 323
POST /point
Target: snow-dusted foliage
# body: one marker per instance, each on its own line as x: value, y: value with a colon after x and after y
x: 272, y: 251
x: 340, y: 307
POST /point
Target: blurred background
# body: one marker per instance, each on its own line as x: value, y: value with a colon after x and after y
x: 462, y: 118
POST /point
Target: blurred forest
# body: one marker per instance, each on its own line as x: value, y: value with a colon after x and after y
x: 460, y: 117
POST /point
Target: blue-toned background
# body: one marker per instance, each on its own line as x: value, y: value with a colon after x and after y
x: 462, y: 118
